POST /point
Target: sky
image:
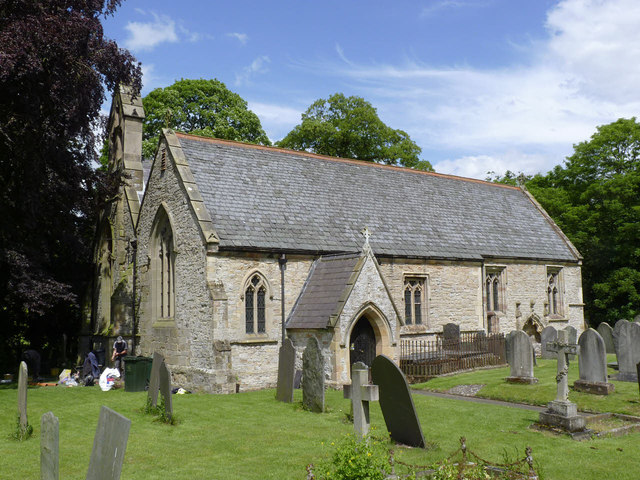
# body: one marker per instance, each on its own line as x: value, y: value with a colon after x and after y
x: 479, y: 85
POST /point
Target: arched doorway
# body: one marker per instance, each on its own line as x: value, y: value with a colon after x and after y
x: 362, y: 342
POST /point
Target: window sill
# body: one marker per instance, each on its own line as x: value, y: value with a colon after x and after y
x: 557, y: 319
x: 164, y: 323
x: 262, y: 340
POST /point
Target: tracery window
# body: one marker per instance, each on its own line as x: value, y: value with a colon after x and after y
x: 554, y: 292
x: 494, y: 289
x: 255, y: 313
x: 414, y: 300
x: 163, y: 265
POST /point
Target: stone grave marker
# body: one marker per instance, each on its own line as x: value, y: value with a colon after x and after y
x: 286, y: 371
x: 313, y: 376
x: 627, y: 340
x: 561, y: 412
x: 165, y: 389
x: 573, y: 338
x: 23, y: 374
x: 154, y: 379
x: 49, y: 447
x: 592, y: 363
x: 616, y: 332
x: 451, y: 332
x: 606, y: 332
x: 521, y: 361
x: 508, y: 346
x: 396, y: 402
x: 549, y: 334
x: 361, y: 394
x: 109, y: 446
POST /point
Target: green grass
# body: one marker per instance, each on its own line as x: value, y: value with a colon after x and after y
x: 251, y: 436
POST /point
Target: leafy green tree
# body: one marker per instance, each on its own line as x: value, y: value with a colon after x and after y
x: 508, y: 178
x: 201, y: 107
x: 595, y: 198
x: 349, y: 127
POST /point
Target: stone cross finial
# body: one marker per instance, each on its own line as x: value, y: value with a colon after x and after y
x: 366, y: 234
x: 563, y: 349
x: 361, y: 394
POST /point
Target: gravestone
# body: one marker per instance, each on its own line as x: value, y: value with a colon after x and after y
x: 286, y: 371
x: 508, y: 346
x: 109, y: 446
x: 616, y: 332
x: 521, y: 361
x: 451, y: 332
x: 627, y: 340
x: 165, y: 389
x: 606, y: 332
x: 592, y: 363
x: 396, y: 402
x: 154, y: 379
x: 561, y: 412
x: 23, y: 374
x: 313, y: 376
x: 549, y: 334
x: 361, y: 394
x: 573, y: 338
x: 49, y: 447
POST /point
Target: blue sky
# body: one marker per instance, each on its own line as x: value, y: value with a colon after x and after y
x: 479, y: 85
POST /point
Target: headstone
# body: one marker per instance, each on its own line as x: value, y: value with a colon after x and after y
x: 109, y: 446
x: 616, y: 332
x: 313, y: 376
x: 361, y: 394
x: 573, y: 338
x: 165, y: 389
x: 549, y: 334
x: 396, y: 402
x: 593, y: 364
x: 49, y: 447
x: 521, y: 361
x: 297, y: 379
x: 23, y: 374
x: 154, y: 379
x: 451, y: 332
x: 627, y: 339
x: 286, y: 371
x: 606, y: 332
x: 508, y: 346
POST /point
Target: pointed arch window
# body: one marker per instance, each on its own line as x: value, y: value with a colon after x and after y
x: 554, y: 292
x: 255, y: 308
x: 163, y: 267
x: 415, y: 300
x: 494, y: 289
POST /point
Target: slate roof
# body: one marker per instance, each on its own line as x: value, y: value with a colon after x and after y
x: 266, y: 198
x: 325, y: 290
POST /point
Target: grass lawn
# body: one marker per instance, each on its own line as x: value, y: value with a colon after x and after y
x: 251, y: 436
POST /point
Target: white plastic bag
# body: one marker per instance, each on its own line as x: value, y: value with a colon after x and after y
x: 107, y: 378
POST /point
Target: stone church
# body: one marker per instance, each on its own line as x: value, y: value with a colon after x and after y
x: 214, y: 250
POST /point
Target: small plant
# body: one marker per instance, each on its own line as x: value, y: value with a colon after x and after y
x: 159, y: 412
x: 21, y: 433
x: 451, y: 471
x: 356, y: 459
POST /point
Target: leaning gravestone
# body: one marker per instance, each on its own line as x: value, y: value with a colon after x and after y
x: 360, y: 393
x: 521, y: 353
x: 606, y: 332
x: 592, y: 363
x: 313, y: 376
x: 396, y: 402
x: 286, y: 371
x: 549, y: 334
x: 23, y: 374
x: 49, y: 447
x: 165, y: 389
x: 154, y: 379
x: 109, y: 446
x: 627, y: 340
x: 573, y: 338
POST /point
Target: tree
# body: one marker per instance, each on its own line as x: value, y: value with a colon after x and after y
x: 54, y: 64
x: 349, y: 127
x: 201, y: 107
x: 595, y: 198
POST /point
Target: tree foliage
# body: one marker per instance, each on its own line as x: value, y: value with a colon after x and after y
x: 595, y: 198
x: 349, y: 127
x: 201, y: 107
x: 54, y: 64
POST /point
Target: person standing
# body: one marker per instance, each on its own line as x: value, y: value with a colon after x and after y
x: 119, y: 351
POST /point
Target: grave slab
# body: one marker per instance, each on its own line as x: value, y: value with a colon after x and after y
x: 521, y: 358
x: 165, y: 389
x: 286, y: 371
x: 606, y: 332
x: 592, y: 363
x: 154, y: 378
x: 549, y: 334
x: 313, y: 376
x: 49, y: 447
x: 627, y: 341
x: 23, y: 375
x: 109, y: 446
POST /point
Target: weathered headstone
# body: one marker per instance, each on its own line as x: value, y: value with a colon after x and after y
x: 165, y: 389
x: 521, y: 358
x: 627, y: 340
x: 23, y: 374
x: 361, y: 394
x: 313, y: 376
x: 286, y: 371
x: 451, y: 332
x: 49, y: 447
x: 508, y: 346
x: 154, y: 379
x: 396, y: 402
x: 593, y: 364
x: 616, y: 332
x: 606, y: 332
x: 561, y: 412
x: 549, y: 334
x: 573, y: 338
x: 109, y: 446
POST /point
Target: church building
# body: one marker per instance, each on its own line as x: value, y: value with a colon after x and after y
x: 215, y: 250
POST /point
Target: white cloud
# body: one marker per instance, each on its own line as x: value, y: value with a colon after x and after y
x: 259, y: 65
x: 438, y: 6
x: 277, y: 120
x: 147, y: 35
x: 243, y: 38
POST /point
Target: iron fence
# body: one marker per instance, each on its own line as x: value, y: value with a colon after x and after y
x: 421, y: 360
